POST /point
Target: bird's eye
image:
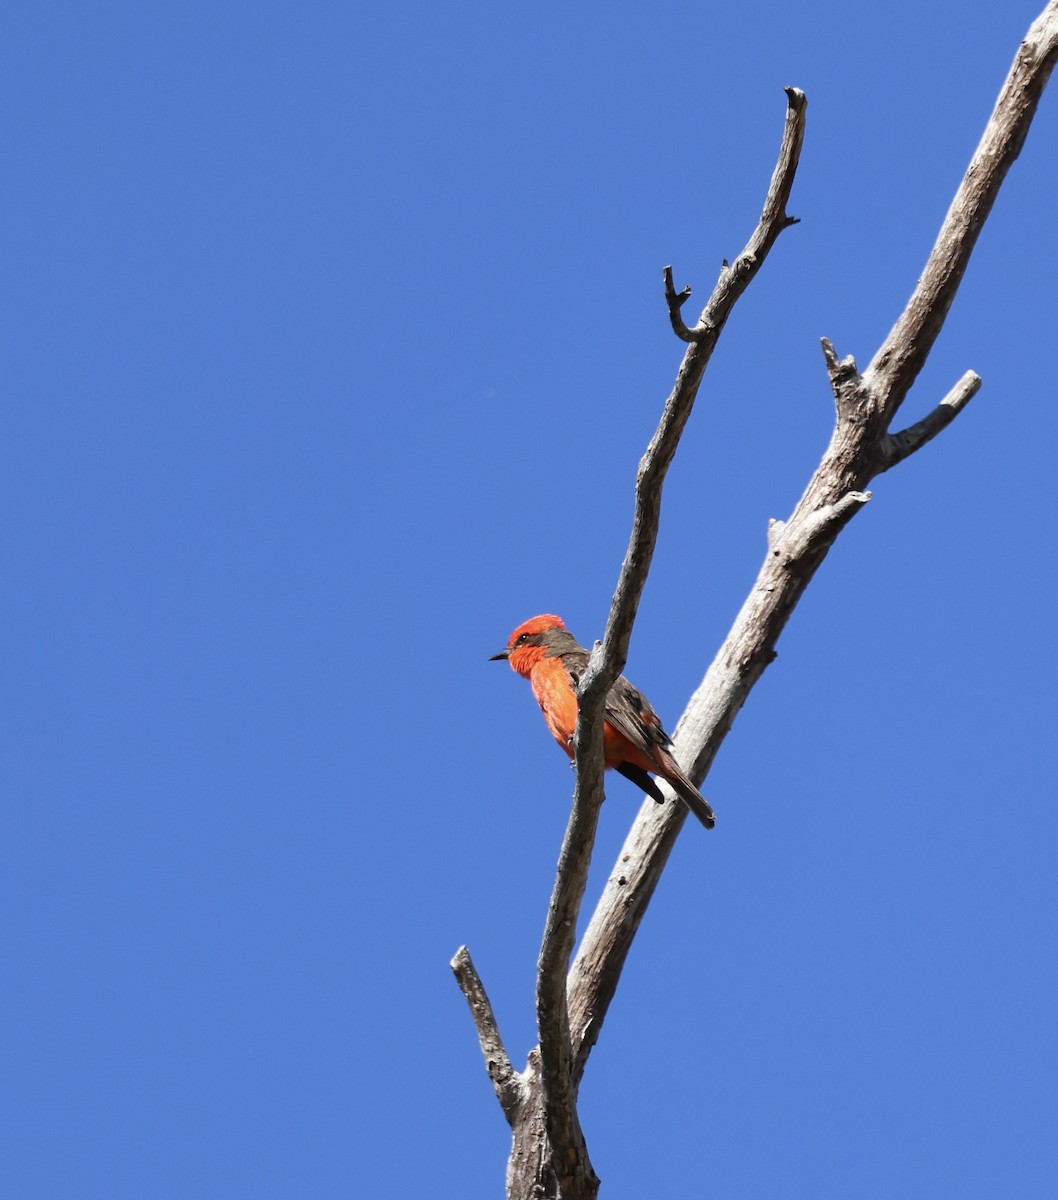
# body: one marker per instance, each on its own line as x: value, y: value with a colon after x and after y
x: 524, y: 638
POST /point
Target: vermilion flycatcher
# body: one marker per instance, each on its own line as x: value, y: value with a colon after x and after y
x: 634, y: 743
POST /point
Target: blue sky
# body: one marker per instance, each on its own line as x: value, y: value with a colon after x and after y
x: 331, y: 338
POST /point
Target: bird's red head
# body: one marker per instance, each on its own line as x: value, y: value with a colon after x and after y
x: 528, y: 644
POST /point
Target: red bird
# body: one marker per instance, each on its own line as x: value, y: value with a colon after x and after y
x: 634, y: 743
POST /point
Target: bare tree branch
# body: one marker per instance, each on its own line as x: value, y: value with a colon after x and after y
x: 901, y: 356
x: 861, y: 447
x: 559, y: 1079
x: 898, y: 446
x: 549, y: 1158
x: 509, y: 1085
x: 676, y: 300
x: 608, y: 660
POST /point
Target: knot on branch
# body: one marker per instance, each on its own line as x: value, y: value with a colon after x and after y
x: 797, y: 540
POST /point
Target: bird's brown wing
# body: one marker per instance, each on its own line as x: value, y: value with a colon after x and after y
x: 632, y: 715
x: 627, y: 709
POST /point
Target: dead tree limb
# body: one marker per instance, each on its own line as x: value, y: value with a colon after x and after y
x: 549, y: 1156
x: 861, y: 448
x: 505, y: 1079
x: 558, y: 1074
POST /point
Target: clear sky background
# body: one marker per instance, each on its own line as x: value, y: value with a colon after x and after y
x: 332, y: 335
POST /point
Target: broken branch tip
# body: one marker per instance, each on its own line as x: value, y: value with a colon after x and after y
x: 795, y: 97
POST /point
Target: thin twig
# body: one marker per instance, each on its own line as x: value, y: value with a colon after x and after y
x: 675, y: 301
x: 898, y: 446
x: 505, y: 1079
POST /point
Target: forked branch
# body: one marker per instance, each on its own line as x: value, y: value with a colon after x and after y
x: 861, y: 448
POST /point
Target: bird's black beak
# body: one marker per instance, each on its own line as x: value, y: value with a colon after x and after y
x: 502, y: 654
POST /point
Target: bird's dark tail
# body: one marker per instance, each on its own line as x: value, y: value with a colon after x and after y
x: 680, y: 784
x: 694, y: 800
